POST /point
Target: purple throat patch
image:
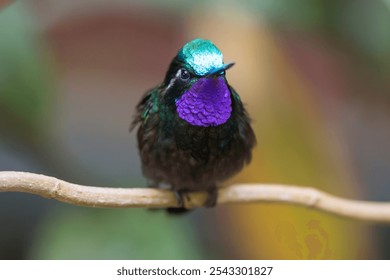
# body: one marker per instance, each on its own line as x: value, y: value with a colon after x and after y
x: 206, y: 103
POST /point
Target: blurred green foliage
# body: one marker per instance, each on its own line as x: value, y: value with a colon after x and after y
x: 367, y: 24
x: 25, y: 76
x: 81, y: 233
x: 363, y: 24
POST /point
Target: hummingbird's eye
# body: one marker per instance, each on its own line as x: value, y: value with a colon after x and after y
x: 184, y: 75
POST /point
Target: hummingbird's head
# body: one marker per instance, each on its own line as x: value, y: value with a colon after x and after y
x: 196, y: 84
x: 202, y: 58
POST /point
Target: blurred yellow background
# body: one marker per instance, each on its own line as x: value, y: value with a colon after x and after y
x: 313, y: 76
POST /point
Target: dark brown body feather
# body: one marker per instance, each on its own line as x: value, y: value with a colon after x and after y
x: 190, y: 158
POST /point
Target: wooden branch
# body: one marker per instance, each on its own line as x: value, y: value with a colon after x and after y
x: 50, y: 187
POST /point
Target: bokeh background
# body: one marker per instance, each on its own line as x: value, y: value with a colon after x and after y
x: 314, y: 75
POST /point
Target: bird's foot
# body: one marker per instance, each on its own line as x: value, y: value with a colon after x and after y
x: 212, y: 197
x: 180, y: 198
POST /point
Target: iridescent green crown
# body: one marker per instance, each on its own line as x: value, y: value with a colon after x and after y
x: 202, y: 56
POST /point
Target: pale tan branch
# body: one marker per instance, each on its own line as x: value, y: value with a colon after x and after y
x: 50, y: 187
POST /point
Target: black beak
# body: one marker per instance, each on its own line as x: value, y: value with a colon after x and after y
x: 219, y: 70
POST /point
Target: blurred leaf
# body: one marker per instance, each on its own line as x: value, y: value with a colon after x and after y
x: 115, y: 234
x: 367, y: 23
x: 25, y: 79
x: 387, y: 2
x: 302, y: 14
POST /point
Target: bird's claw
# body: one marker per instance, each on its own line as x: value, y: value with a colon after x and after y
x: 180, y: 198
x: 212, y: 197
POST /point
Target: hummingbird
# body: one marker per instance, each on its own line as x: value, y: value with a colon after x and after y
x: 194, y: 132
